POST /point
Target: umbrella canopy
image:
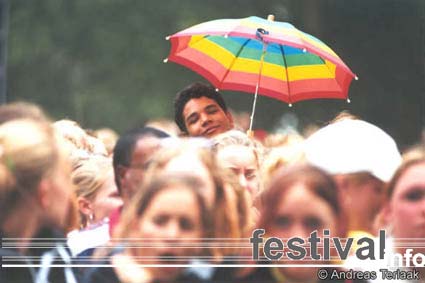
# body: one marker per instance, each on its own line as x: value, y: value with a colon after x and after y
x: 236, y: 54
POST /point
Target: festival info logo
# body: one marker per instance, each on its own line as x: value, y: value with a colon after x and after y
x: 352, y: 257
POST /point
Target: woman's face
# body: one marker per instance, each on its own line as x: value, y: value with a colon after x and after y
x: 107, y: 199
x: 242, y: 161
x: 299, y: 213
x: 407, y: 205
x: 172, y: 221
x: 60, y: 196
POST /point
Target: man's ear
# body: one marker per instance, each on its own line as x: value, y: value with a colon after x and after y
x: 121, y: 171
x: 122, y: 179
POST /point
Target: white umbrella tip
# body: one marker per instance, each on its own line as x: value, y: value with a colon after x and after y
x: 216, y: 89
x: 304, y: 50
x: 165, y: 60
x: 167, y: 37
x: 356, y: 78
x: 348, y: 100
x: 290, y: 104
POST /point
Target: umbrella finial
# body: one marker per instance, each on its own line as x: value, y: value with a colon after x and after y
x: 270, y: 18
x: 290, y: 104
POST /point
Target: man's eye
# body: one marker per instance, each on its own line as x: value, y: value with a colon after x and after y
x: 192, y: 120
x: 211, y: 110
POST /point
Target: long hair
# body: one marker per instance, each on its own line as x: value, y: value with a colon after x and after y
x: 28, y: 153
x: 314, y: 179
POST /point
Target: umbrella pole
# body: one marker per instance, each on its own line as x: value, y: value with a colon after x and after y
x: 250, y: 132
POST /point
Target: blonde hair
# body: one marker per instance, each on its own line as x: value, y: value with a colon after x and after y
x: 28, y: 153
x: 109, y: 138
x: 72, y: 133
x: 88, y: 175
x: 78, y: 139
x: 279, y: 157
x: 414, y: 152
x: 235, y: 137
x: 282, y: 140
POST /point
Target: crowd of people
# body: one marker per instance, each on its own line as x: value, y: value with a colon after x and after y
x: 178, y: 204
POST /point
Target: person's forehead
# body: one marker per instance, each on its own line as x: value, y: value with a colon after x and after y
x: 144, y: 148
x: 197, y: 104
x: 297, y: 194
x: 412, y: 177
x: 173, y: 194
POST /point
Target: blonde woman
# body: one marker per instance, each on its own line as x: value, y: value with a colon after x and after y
x: 97, y: 197
x: 221, y: 192
x: 242, y: 156
x: 35, y: 199
x: 157, y: 232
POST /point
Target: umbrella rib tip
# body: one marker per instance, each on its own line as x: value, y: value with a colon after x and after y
x: 167, y: 37
x: 356, y: 78
x: 165, y: 60
x: 290, y: 104
x: 348, y: 100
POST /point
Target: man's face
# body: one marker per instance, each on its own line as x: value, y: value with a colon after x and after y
x: 361, y: 197
x: 204, y: 117
x: 134, y: 173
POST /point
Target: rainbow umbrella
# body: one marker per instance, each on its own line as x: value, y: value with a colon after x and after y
x: 264, y: 57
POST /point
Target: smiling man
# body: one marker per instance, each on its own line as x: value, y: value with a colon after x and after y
x: 201, y: 111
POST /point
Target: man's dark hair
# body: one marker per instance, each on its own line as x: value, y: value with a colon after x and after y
x: 124, y: 147
x: 195, y: 90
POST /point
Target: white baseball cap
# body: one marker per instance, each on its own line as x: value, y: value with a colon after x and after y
x: 350, y: 146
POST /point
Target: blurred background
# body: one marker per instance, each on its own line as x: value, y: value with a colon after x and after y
x: 100, y: 62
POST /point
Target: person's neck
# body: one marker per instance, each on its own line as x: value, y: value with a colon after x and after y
x: 21, y: 223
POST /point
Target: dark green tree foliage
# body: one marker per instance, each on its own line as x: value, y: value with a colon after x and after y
x: 100, y: 61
